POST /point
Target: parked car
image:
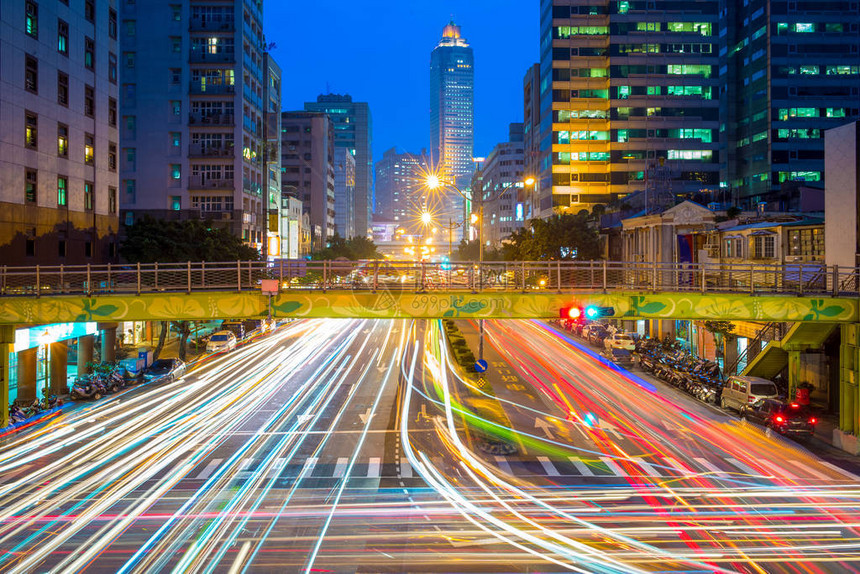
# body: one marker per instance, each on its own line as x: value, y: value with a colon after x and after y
x: 619, y: 356
x: 221, y: 341
x: 596, y: 335
x: 170, y: 369
x: 619, y: 340
x: 790, y: 419
x: 739, y: 392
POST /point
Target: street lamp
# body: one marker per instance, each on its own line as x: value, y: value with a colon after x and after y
x: 433, y: 182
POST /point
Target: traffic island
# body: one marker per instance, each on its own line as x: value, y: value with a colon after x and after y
x: 489, y: 417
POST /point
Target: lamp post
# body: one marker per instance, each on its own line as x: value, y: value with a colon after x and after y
x: 433, y: 182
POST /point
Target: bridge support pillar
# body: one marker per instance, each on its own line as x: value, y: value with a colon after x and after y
x: 793, y: 372
x: 28, y: 375
x: 59, y: 364
x: 108, y: 341
x: 849, y: 373
x: 7, y: 346
x: 85, y: 354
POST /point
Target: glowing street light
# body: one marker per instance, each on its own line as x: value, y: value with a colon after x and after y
x: 426, y: 218
x: 529, y: 181
x: 432, y: 181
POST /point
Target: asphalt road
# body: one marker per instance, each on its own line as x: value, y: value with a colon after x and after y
x: 354, y: 446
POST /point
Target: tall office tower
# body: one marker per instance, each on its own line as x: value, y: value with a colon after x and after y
x: 452, y: 111
x: 344, y: 192
x: 272, y: 136
x: 503, y: 169
x: 400, y: 186
x: 353, y: 129
x: 634, y: 101
x: 307, y: 169
x: 791, y: 70
x: 193, y: 77
x: 58, y: 132
x: 532, y: 156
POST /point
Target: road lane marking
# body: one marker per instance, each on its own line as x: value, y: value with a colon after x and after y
x: 851, y: 475
x: 504, y: 465
x: 276, y: 468
x: 340, y: 467
x: 210, y: 468
x: 744, y: 467
x: 647, y: 467
x: 373, y: 467
x: 613, y: 466
x: 580, y: 466
x: 710, y: 466
x: 679, y: 467
x: 405, y: 468
x: 308, y: 467
x: 548, y: 467
x: 811, y: 471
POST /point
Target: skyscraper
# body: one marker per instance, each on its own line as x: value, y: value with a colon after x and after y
x: 353, y: 129
x: 503, y: 169
x: 399, y: 185
x: 58, y: 133
x: 192, y: 84
x: 307, y: 169
x: 452, y: 110
x: 633, y: 92
x: 791, y: 70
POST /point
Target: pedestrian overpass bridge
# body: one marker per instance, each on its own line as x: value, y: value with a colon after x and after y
x: 398, y: 289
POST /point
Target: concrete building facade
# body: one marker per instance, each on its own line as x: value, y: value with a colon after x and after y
x: 790, y: 71
x: 631, y: 96
x: 504, y: 213
x: 193, y: 78
x: 353, y: 129
x: 307, y: 170
x: 272, y: 155
x: 344, y: 192
x: 452, y: 112
x: 59, y: 143
x: 400, y: 186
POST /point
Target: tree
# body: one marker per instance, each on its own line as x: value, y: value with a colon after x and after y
x: 722, y: 332
x: 564, y: 237
x: 154, y: 240
x: 354, y: 249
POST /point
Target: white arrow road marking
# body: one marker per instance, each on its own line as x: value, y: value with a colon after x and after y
x: 543, y: 425
x: 305, y: 418
x: 366, y: 416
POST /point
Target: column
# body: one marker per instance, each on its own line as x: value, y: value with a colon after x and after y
x: 108, y: 341
x: 730, y: 352
x: 793, y: 372
x: 59, y: 367
x: 7, y: 344
x: 85, y: 353
x: 27, y: 375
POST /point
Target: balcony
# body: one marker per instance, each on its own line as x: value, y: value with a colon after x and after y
x: 199, y: 182
x: 200, y: 150
x: 204, y: 57
x: 209, y: 25
x: 211, y: 119
x: 208, y: 89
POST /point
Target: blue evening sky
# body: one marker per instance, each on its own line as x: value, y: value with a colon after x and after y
x: 379, y: 52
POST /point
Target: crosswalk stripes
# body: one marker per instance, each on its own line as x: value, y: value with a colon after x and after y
x: 614, y: 467
x: 209, y: 469
x: 373, y: 467
x: 340, y: 467
x: 308, y: 467
x: 503, y: 464
x: 548, y: 467
x: 710, y: 466
x: 812, y: 471
x: 580, y: 466
x: 597, y: 467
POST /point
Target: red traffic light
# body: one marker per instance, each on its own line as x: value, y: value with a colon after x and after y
x: 572, y: 313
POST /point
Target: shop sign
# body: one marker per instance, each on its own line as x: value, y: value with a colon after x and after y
x: 47, y: 334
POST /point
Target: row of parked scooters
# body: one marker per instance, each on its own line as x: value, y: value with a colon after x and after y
x: 105, y: 378
x: 696, y: 376
x: 20, y: 413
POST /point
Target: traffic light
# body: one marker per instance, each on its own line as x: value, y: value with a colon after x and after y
x: 593, y: 312
x: 571, y: 313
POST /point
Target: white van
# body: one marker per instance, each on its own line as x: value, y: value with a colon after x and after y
x: 741, y: 391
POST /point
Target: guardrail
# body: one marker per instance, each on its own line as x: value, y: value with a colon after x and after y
x: 752, y: 279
